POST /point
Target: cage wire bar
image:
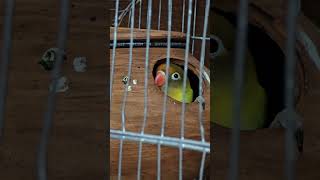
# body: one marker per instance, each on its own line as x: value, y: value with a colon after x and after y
x: 293, y: 7
x: 123, y: 120
x: 186, y: 60
x: 166, y: 87
x: 194, y: 25
x: 241, y: 44
x: 203, y: 47
x: 145, y: 113
x: 48, y: 116
x: 183, y: 12
x: 159, y: 16
x: 140, y: 6
x: 5, y: 59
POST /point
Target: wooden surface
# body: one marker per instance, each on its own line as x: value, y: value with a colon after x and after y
x: 262, y: 151
x: 309, y: 8
x: 134, y: 118
x: 124, y: 34
x: 78, y: 138
x: 177, y: 18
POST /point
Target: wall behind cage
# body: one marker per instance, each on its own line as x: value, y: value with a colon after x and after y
x: 76, y: 147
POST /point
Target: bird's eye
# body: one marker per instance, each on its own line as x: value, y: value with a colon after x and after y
x: 175, y: 76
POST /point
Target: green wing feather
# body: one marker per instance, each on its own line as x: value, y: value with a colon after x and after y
x: 254, y: 97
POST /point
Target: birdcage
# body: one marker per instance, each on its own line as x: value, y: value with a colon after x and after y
x: 154, y: 135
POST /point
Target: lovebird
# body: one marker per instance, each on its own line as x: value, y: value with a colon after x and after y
x: 253, y: 108
x: 175, y: 82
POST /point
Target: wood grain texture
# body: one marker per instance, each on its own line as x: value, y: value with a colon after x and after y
x: 78, y: 138
x: 134, y: 118
x: 177, y: 18
x: 124, y: 34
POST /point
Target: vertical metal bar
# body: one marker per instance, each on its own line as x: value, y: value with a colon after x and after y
x: 203, y: 50
x: 289, y: 87
x: 5, y: 59
x: 120, y: 159
x: 48, y: 117
x: 194, y: 25
x: 159, y: 15
x: 183, y: 12
x: 202, y: 165
x: 123, y: 109
x: 159, y: 162
x: 140, y: 13
x: 239, y: 59
x: 129, y: 17
x: 149, y: 16
x: 165, y: 97
x: 185, y: 74
x: 115, y: 31
x: 139, y: 161
x: 180, y: 163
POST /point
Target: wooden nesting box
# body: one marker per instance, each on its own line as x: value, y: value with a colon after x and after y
x: 135, y: 110
x: 262, y: 151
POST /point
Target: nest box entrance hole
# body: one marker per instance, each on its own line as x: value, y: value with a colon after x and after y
x: 192, y: 75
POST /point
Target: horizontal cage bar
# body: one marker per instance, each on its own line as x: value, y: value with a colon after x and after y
x: 165, y: 140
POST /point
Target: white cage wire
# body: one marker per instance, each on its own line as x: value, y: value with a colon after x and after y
x: 161, y: 139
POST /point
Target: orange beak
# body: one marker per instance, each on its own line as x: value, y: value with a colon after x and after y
x: 160, y: 78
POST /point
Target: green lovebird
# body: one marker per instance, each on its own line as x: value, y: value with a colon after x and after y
x: 175, y: 82
x: 253, y: 108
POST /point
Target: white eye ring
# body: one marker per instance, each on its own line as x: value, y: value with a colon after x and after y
x: 175, y: 76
